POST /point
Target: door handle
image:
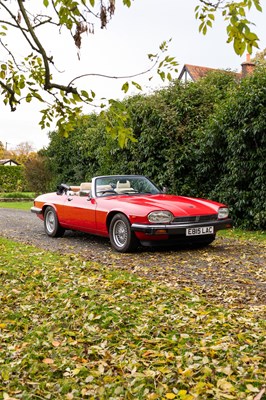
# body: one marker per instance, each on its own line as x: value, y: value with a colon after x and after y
x: 69, y: 199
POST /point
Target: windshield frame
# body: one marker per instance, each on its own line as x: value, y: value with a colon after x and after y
x: 110, y: 183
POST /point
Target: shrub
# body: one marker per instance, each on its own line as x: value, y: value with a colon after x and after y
x: 12, y: 179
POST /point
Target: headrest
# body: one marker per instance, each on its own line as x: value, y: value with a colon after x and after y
x: 85, y: 186
x: 123, y: 183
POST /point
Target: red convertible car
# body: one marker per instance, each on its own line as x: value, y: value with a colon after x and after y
x: 130, y: 210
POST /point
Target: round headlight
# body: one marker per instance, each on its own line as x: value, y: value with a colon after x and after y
x: 160, y: 217
x: 223, y: 213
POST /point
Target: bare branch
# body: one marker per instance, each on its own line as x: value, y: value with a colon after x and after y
x: 11, y: 55
x: 215, y: 5
x: 17, y: 25
x: 116, y: 77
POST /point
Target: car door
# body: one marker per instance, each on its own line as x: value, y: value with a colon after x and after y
x: 79, y: 213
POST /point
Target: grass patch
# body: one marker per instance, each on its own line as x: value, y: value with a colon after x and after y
x: 243, y: 234
x: 71, y: 329
x: 21, y: 205
x: 18, y: 195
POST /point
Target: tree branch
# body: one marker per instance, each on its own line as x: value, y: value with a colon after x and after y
x: 213, y: 5
x: 48, y: 85
x: 115, y: 77
x: 11, y: 55
x: 38, y: 43
x: 17, y: 25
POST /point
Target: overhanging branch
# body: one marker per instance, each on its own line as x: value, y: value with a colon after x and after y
x: 115, y: 77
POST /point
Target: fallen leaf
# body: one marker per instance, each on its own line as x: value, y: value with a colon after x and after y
x: 48, y: 361
x: 170, y: 396
x: 260, y: 394
x: 56, y: 343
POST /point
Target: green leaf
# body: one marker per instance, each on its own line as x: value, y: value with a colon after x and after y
x: 46, y: 3
x: 66, y: 100
x: 201, y: 26
x: 127, y: 3
x: 76, y: 97
x: 136, y: 85
x: 152, y: 56
x: 125, y: 87
x: 17, y: 90
x: 251, y: 36
x: 22, y: 84
x: 28, y: 97
x: 37, y: 96
x: 239, y: 46
x: 84, y: 93
x: 162, y: 75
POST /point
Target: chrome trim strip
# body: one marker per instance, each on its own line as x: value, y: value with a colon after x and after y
x: 150, y: 228
x: 36, y: 210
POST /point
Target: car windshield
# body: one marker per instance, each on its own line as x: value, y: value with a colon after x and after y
x: 125, y: 184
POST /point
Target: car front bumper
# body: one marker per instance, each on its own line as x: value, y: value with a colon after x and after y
x: 36, y: 210
x: 180, y: 229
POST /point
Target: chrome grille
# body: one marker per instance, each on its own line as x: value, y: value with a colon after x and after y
x: 195, y: 219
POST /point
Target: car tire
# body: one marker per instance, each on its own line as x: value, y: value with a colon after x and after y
x: 122, y: 238
x: 51, y: 223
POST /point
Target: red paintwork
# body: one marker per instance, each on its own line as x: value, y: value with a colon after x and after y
x: 91, y: 215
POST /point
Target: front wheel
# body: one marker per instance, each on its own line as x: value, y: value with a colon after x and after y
x: 121, y: 237
x: 51, y: 223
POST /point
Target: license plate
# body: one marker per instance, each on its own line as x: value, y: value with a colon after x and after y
x: 203, y: 230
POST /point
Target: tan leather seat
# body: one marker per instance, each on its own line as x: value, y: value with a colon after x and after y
x: 85, y: 188
x: 123, y: 186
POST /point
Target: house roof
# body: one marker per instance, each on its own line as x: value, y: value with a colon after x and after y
x: 7, y: 161
x: 195, y: 72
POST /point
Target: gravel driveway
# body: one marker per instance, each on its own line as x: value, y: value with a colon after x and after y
x: 230, y: 271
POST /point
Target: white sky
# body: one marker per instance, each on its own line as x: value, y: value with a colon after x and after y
x: 122, y: 49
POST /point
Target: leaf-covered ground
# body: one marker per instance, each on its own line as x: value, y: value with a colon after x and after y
x: 232, y: 271
x: 75, y: 329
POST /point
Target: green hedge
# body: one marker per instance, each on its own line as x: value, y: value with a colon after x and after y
x: 12, y: 179
x: 204, y: 139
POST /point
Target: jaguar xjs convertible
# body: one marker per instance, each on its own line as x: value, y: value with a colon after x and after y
x: 131, y: 211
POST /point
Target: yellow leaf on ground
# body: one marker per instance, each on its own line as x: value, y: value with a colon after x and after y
x: 252, y: 388
x: 76, y: 371
x: 225, y: 385
x: 170, y: 396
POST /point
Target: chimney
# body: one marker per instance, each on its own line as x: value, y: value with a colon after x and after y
x: 247, y: 67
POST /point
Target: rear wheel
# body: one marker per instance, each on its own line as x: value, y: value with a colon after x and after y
x: 121, y: 237
x: 51, y: 223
